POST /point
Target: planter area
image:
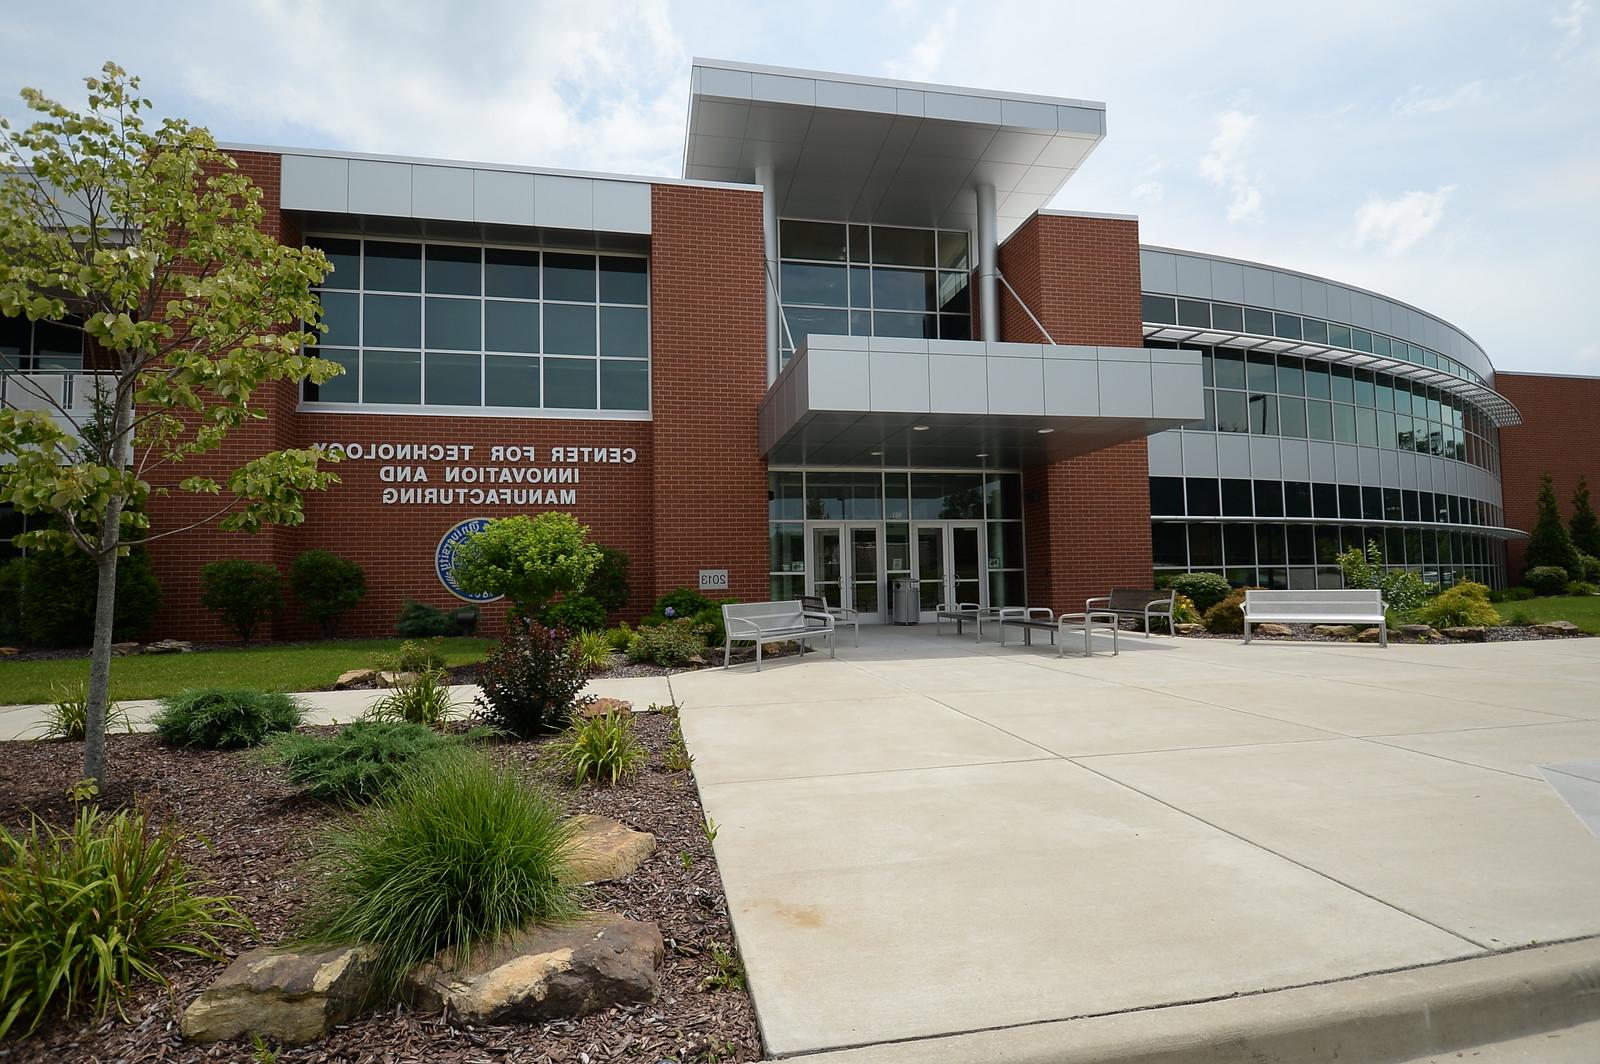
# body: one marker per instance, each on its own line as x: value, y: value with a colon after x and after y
x: 248, y: 833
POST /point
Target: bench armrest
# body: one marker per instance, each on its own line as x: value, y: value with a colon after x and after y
x: 1088, y: 604
x: 740, y: 626
x: 813, y: 615
x: 1036, y: 612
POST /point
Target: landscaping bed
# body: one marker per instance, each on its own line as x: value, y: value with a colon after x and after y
x: 251, y: 833
x: 1304, y: 633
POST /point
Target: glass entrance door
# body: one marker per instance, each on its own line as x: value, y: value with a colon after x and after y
x: 843, y: 566
x: 950, y: 564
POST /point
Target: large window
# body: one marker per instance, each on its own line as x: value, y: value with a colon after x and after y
x: 434, y: 324
x: 872, y: 280
x: 40, y: 346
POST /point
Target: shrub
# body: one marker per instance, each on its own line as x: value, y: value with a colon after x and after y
x: 458, y: 853
x: 575, y: 613
x: 608, y: 584
x: 680, y: 602
x: 668, y: 644
x: 1584, y: 529
x: 67, y: 717
x: 360, y: 763
x: 1183, y: 612
x: 328, y: 586
x: 221, y: 718
x: 87, y: 911
x: 1203, y: 589
x: 47, y: 597
x: 1549, y: 544
x: 242, y: 593
x: 1588, y: 568
x: 1582, y: 587
x: 425, y: 700
x: 530, y: 560
x: 1512, y: 594
x: 1226, y: 617
x: 1519, y: 617
x: 603, y: 749
x: 1402, y: 589
x: 1546, y: 580
x: 619, y: 637
x: 418, y: 620
x: 530, y: 681
x: 411, y: 657
x: 593, y: 650
x: 1466, y: 604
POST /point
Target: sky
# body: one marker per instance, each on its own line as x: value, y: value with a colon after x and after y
x: 1446, y: 154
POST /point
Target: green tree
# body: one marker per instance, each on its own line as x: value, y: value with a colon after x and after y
x: 1549, y: 543
x: 530, y: 560
x: 1583, y: 528
x: 149, y: 242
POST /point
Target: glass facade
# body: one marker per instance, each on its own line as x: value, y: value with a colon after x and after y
x: 40, y: 346
x: 872, y: 280
x: 438, y: 324
x: 897, y: 501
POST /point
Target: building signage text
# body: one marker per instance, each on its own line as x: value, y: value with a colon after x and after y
x: 469, y: 474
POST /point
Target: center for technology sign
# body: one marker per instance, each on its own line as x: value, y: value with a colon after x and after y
x: 468, y: 474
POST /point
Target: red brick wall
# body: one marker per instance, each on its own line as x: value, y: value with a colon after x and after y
x: 1557, y: 436
x: 1087, y: 518
x: 708, y: 370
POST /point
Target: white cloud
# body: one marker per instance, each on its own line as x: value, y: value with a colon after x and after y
x: 1396, y: 225
x: 1419, y: 101
x: 927, y: 54
x: 1570, y: 21
x: 1149, y: 191
x: 1225, y: 164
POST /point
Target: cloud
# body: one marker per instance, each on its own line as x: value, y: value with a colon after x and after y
x: 1149, y: 191
x: 1418, y: 101
x: 927, y: 54
x: 1224, y: 164
x: 1396, y: 225
x: 1570, y: 20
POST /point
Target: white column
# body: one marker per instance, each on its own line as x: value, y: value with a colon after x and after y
x: 988, y: 262
x: 767, y: 179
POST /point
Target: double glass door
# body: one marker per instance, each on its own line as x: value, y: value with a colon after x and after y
x: 845, y: 569
x: 949, y: 564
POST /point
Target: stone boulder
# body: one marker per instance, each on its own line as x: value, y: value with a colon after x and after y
x: 1424, y: 633
x: 546, y: 973
x: 282, y: 994
x: 168, y: 646
x: 599, y: 707
x: 1556, y: 628
x: 1271, y: 629
x: 605, y: 849
x: 1191, y: 628
x: 355, y: 678
x: 1370, y: 635
x: 396, y: 679
x: 1467, y: 634
x: 122, y: 650
x: 6, y: 652
x: 1335, y: 631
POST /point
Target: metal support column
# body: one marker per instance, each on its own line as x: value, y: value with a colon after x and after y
x: 767, y: 179
x: 988, y: 263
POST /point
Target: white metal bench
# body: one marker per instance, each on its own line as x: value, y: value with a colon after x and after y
x: 763, y: 622
x: 1039, y: 619
x: 961, y: 613
x: 1315, y: 607
x: 1135, y: 602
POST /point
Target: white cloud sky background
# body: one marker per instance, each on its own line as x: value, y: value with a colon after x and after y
x: 1446, y: 154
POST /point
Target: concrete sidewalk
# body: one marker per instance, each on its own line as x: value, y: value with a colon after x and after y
x: 335, y: 707
x: 930, y: 836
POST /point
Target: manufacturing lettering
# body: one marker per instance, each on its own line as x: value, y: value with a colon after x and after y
x: 466, y: 474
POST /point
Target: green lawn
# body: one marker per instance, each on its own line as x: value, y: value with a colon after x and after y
x: 294, y: 667
x: 1581, y: 610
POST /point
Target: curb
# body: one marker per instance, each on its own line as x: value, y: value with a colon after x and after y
x: 1391, y: 1017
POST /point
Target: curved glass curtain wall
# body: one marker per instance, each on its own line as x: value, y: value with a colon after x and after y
x: 1266, y: 533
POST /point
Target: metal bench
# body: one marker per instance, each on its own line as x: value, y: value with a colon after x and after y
x: 1135, y: 602
x: 763, y: 622
x: 960, y: 613
x: 1038, y: 619
x: 841, y: 615
x: 1315, y: 607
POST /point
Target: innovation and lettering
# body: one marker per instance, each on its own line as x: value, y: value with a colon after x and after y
x: 467, y: 474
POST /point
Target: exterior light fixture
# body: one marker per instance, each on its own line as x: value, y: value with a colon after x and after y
x: 981, y: 454
x: 1045, y: 432
x: 919, y: 428
x: 876, y: 454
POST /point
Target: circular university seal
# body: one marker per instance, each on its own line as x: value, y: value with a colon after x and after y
x: 444, y: 557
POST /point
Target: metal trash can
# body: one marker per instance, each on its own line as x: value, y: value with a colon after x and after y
x: 904, y: 606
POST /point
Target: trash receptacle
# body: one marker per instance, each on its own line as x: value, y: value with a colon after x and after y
x: 904, y: 607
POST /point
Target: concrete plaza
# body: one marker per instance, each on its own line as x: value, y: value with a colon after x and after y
x: 931, y: 836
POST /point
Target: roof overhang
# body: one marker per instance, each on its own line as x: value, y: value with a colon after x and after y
x: 859, y: 400
x: 875, y: 150
x: 1499, y: 409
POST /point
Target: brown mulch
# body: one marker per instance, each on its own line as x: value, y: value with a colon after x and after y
x: 250, y: 833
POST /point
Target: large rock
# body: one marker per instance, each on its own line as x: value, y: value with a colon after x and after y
x: 606, y: 849
x: 546, y: 973
x: 356, y: 678
x: 1370, y: 635
x: 282, y: 995
x: 1334, y: 631
x: 168, y: 646
x: 1191, y: 628
x: 122, y: 650
x: 599, y: 707
x: 1271, y: 629
x: 1467, y: 634
x: 397, y: 679
x: 1556, y: 628
x: 1426, y: 633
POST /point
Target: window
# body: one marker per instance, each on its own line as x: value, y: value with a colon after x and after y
x: 463, y: 325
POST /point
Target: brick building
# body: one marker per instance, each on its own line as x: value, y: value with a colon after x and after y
x: 849, y: 346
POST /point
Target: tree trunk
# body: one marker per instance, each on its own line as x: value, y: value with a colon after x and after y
x: 105, y: 602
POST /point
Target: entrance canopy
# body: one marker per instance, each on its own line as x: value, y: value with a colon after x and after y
x: 874, y: 400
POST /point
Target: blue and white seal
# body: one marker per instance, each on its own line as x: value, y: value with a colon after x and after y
x: 444, y: 557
